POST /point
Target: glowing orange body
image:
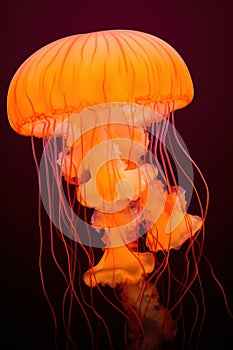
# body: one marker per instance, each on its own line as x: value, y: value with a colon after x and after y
x: 107, y: 97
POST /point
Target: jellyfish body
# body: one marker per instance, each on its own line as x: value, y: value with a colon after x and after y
x: 108, y: 97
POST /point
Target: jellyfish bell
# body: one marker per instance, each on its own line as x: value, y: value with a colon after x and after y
x: 108, y: 98
x: 84, y: 70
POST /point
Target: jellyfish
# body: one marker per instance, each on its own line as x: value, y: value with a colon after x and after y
x: 115, y: 175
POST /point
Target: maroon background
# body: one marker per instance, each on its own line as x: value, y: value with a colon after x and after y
x: 201, y: 31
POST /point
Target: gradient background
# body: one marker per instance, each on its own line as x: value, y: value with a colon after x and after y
x: 201, y: 31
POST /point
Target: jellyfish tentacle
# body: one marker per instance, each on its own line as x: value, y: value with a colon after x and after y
x: 158, y: 325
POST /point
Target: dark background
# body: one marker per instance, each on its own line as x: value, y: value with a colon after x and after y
x: 201, y: 31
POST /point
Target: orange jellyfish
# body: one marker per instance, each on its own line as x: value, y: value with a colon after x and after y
x: 115, y: 176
